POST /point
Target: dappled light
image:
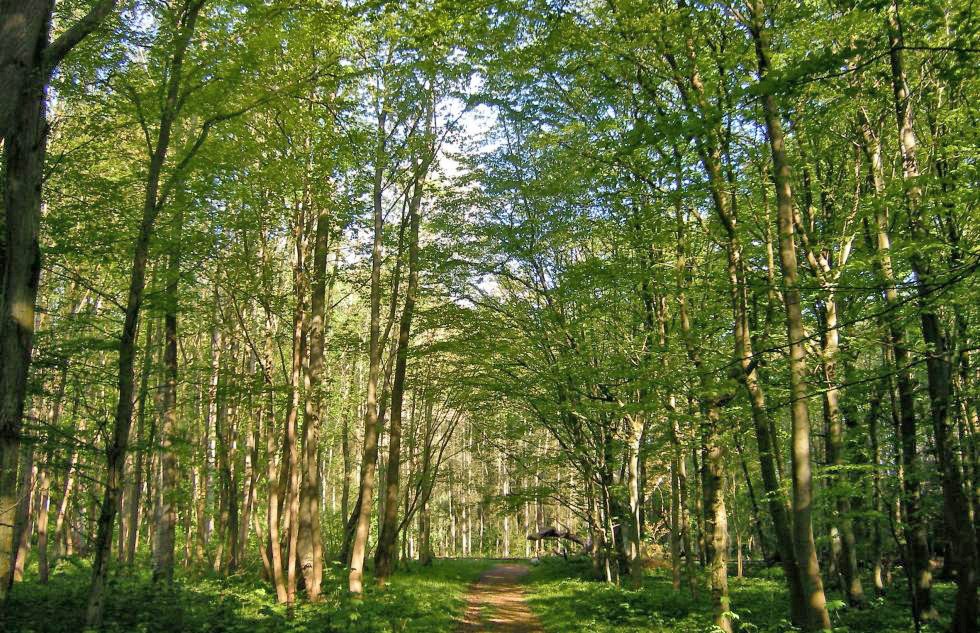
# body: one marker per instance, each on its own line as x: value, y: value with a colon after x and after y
x: 503, y: 316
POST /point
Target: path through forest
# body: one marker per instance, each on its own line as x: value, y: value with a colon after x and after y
x: 496, y: 603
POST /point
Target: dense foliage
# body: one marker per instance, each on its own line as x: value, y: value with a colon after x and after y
x: 292, y: 291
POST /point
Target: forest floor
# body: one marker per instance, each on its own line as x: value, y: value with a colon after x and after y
x: 449, y: 596
x: 496, y: 603
x: 567, y: 599
x: 418, y: 599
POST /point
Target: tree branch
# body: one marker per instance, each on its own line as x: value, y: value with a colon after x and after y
x: 57, y: 50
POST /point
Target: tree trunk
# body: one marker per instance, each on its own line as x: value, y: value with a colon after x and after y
x: 675, y: 514
x: 272, y: 478
x: 818, y: 617
x: 136, y: 488
x: 309, y: 515
x: 632, y: 526
x: 43, y: 506
x: 388, y: 534
x: 118, y: 444
x: 956, y: 505
x: 369, y: 455
x: 210, y: 444
x: 874, y: 411
x: 830, y: 341
x: 27, y: 61
x: 25, y: 516
x: 250, y: 476
x: 715, y: 515
x: 163, y: 550
x: 292, y: 455
x: 24, y: 150
x: 916, y: 550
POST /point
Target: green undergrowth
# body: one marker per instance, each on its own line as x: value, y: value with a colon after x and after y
x: 418, y: 599
x: 422, y: 600
x: 567, y: 600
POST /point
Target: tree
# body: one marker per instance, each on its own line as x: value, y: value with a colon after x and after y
x: 155, y: 197
x: 27, y: 61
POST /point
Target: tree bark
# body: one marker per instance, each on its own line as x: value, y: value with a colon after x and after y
x: 136, y: 488
x: 309, y: 515
x: 916, y: 550
x: 830, y: 341
x: 43, y: 515
x: 208, y: 467
x: 118, y: 444
x: 715, y: 515
x: 292, y: 452
x: 675, y: 514
x: 818, y: 618
x: 272, y: 478
x: 388, y: 534
x: 27, y: 60
x: 369, y: 454
x: 24, y: 150
x: 956, y: 505
x: 163, y: 550
x: 25, y: 516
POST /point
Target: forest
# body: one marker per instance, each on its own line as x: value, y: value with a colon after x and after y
x: 527, y: 316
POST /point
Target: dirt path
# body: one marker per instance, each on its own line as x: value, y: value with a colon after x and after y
x: 496, y: 604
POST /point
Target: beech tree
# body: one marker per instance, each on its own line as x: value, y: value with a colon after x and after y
x: 333, y: 291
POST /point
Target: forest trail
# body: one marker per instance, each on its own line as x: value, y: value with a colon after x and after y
x: 496, y: 603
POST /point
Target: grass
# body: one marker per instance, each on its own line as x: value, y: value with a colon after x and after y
x: 567, y: 600
x: 421, y: 600
x: 418, y: 599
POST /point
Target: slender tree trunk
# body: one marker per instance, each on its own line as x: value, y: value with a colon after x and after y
x: 292, y: 452
x: 210, y: 420
x: 136, y: 489
x: 956, y: 506
x: 272, y: 478
x: 118, y: 444
x: 632, y: 526
x: 43, y: 512
x: 385, y: 555
x: 874, y: 411
x: 715, y: 515
x: 250, y: 475
x: 309, y: 516
x: 675, y: 509
x: 715, y: 532
x: 163, y: 551
x: 345, y: 492
x: 25, y: 517
x: 835, y: 452
x: 916, y: 550
x: 233, y: 524
x: 369, y: 455
x: 818, y: 617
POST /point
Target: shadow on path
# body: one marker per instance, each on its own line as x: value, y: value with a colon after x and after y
x: 495, y: 603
